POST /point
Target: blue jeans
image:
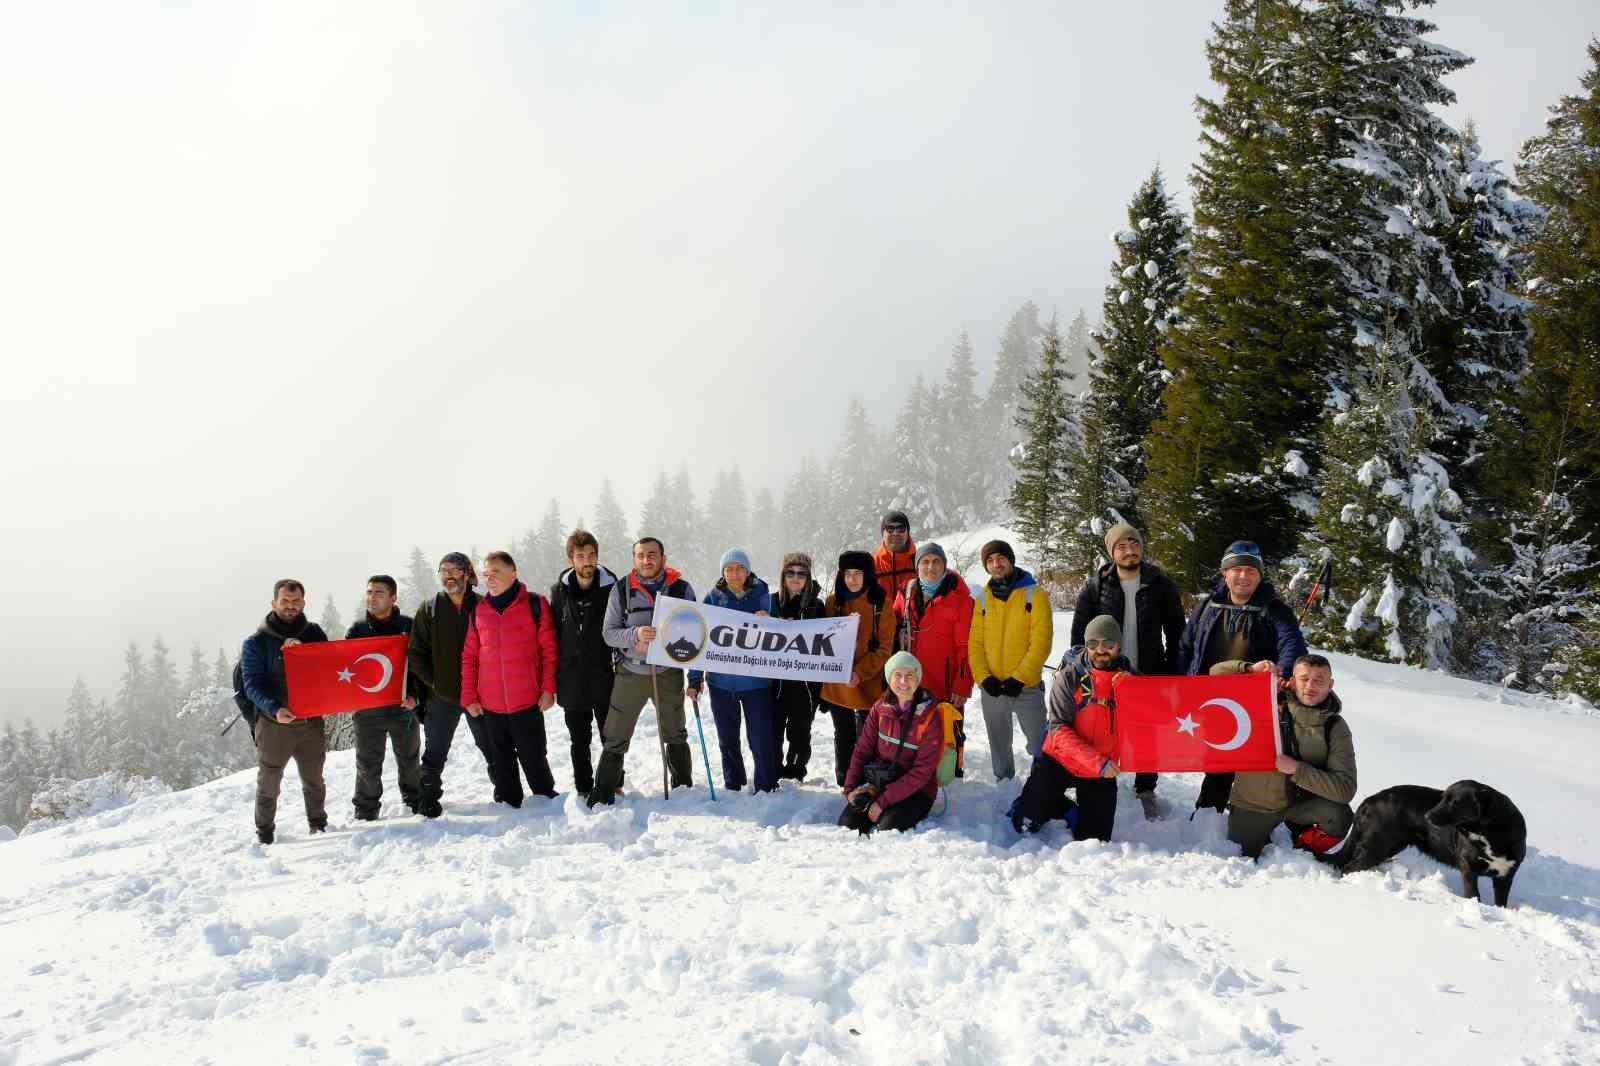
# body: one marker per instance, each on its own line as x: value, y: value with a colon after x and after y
x: 757, y: 706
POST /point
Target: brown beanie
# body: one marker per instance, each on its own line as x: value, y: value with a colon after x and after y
x: 997, y: 547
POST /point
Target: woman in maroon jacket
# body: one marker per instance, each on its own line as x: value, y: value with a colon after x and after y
x: 894, y: 771
x: 508, y: 668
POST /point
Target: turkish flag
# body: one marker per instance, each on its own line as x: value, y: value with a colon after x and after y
x: 1190, y: 724
x: 335, y: 676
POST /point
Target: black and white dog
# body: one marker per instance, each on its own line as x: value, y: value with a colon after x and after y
x: 1469, y: 826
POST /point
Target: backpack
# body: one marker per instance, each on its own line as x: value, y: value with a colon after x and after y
x: 1291, y: 747
x: 952, y: 757
x: 247, y: 708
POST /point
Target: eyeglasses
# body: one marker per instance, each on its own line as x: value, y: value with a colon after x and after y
x: 797, y: 573
x: 1101, y: 645
x: 451, y: 571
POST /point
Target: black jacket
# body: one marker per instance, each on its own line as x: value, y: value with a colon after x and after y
x: 584, y: 670
x: 1160, y: 614
x: 437, y: 636
x: 1274, y: 632
x: 808, y: 604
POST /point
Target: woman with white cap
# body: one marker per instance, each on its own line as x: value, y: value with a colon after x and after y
x: 894, y: 770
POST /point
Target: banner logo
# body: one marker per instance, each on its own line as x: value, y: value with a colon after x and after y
x: 685, y: 635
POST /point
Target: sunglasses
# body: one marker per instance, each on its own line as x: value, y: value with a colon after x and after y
x: 797, y: 573
x: 897, y: 529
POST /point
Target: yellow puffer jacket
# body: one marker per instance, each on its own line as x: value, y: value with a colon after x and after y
x: 1010, y: 639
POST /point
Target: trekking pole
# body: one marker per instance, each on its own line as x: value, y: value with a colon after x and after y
x: 1323, y: 582
x: 236, y: 720
x: 704, y: 752
x: 655, y: 689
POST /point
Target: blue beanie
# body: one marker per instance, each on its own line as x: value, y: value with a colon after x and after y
x: 734, y: 555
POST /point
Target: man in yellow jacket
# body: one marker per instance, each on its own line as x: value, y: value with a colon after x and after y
x: 1007, y: 648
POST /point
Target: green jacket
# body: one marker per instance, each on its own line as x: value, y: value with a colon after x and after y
x: 1327, y: 757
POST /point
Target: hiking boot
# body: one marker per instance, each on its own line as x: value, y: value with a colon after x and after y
x: 1152, y: 809
x: 607, y: 780
x: 680, y: 765
x: 263, y: 836
x: 364, y: 816
x: 317, y: 827
x: 429, y: 807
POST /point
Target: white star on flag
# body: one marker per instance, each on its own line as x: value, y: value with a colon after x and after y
x: 345, y: 675
x: 1187, y: 724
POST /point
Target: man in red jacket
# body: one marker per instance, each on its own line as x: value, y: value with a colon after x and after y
x: 1080, y: 745
x: 508, y: 668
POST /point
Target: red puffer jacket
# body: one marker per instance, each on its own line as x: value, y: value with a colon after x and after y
x: 936, y: 632
x: 1082, y: 723
x: 509, y: 660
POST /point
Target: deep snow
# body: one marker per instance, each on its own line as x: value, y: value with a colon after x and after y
x: 753, y: 930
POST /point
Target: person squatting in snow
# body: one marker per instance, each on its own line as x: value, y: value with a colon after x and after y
x: 1080, y: 743
x: 894, y: 770
x: 1316, y: 776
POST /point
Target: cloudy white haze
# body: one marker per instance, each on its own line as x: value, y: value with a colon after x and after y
x: 290, y: 288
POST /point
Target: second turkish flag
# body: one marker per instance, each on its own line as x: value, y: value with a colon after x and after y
x: 1191, y: 724
x: 335, y: 676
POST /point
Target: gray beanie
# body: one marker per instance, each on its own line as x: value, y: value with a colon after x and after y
x: 734, y: 555
x: 1103, y: 628
x: 929, y: 548
x: 1122, y: 531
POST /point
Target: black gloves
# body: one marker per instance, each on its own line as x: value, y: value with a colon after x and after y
x: 991, y: 685
x: 1011, y: 687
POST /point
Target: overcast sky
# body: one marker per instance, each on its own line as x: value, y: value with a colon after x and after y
x: 290, y: 288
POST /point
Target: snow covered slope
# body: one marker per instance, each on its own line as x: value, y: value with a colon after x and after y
x: 754, y: 931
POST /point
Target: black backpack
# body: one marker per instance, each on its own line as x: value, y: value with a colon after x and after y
x: 247, y: 708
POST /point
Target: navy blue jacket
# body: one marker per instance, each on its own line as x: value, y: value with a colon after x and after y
x: 1274, y: 631
x: 755, y: 598
x: 261, y: 664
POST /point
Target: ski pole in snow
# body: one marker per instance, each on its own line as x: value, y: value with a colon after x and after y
x: 655, y: 689
x: 1321, y: 585
x: 704, y: 753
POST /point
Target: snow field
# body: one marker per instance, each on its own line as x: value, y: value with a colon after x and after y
x: 754, y: 930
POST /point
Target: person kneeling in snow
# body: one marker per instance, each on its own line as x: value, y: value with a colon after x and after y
x: 1080, y: 742
x: 1315, y: 780
x: 894, y: 769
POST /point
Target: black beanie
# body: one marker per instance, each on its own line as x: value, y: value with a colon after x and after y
x: 997, y: 547
x: 895, y: 518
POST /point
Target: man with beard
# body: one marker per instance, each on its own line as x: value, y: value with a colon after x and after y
x: 438, y: 635
x: 628, y: 629
x: 280, y: 736
x: 1080, y: 748
x: 398, y: 724
x: 1150, y: 609
x: 583, y: 678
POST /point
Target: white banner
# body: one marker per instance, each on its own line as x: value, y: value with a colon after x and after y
x: 697, y: 636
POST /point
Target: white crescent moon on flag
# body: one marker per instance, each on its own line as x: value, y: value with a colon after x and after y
x: 388, y: 672
x: 1241, y: 719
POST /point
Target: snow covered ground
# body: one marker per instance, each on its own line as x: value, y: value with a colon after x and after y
x: 752, y: 930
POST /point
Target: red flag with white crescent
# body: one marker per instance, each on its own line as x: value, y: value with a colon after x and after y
x: 1191, y: 724
x: 335, y: 676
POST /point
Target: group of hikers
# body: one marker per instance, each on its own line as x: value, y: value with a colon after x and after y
x: 503, y: 657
